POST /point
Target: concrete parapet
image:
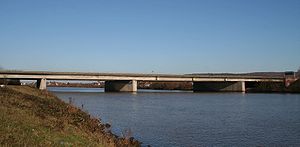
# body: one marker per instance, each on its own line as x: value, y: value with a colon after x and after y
x: 121, y: 86
x: 219, y: 86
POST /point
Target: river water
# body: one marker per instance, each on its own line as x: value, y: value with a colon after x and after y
x: 187, y: 119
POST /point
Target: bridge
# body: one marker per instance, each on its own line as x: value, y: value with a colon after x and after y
x: 127, y: 82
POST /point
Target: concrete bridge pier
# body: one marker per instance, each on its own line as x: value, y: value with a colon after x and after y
x: 226, y: 86
x: 121, y: 86
x: 41, y: 84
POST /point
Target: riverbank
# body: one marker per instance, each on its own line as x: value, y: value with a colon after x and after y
x: 30, y: 117
x: 275, y: 88
x: 251, y: 87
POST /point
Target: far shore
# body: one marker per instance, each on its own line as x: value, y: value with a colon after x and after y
x: 188, y: 86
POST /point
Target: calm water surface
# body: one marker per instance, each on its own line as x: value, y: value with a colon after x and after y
x: 195, y: 119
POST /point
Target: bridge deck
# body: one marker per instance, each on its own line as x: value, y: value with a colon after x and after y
x: 32, y: 75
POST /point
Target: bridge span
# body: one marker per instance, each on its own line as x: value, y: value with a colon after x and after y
x: 127, y: 82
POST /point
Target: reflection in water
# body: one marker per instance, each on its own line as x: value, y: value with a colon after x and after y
x: 195, y: 119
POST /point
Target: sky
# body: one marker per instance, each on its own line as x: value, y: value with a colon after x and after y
x: 150, y: 36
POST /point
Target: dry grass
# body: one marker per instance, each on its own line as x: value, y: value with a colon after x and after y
x: 30, y: 117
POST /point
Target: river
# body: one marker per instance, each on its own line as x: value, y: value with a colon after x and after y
x: 187, y: 119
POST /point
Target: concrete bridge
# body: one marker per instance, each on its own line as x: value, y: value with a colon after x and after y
x: 127, y: 82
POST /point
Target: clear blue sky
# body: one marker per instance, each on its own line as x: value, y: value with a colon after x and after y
x: 164, y: 36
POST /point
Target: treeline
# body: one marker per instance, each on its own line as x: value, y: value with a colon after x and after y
x: 166, y: 85
x: 273, y: 87
x: 141, y: 85
x: 10, y: 82
x: 68, y: 84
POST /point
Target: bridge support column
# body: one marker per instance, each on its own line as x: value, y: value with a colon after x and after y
x: 41, y: 84
x: 225, y: 86
x: 121, y: 86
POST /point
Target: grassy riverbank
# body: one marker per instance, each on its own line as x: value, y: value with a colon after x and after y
x: 30, y: 117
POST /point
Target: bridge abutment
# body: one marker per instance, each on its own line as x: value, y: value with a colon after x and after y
x: 41, y: 84
x: 226, y: 86
x: 121, y: 86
